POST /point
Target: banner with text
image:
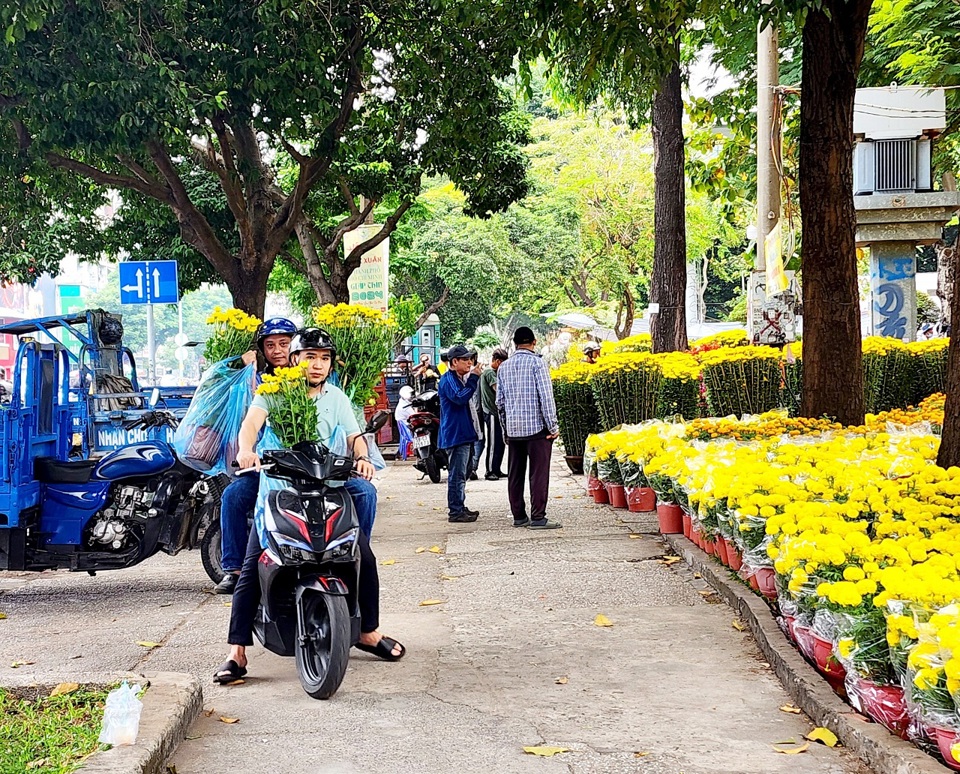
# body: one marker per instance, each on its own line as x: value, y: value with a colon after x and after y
x: 368, y: 283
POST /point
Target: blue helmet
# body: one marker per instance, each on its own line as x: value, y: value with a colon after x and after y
x: 275, y: 326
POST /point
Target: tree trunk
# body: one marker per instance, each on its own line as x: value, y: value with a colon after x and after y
x: 832, y: 359
x: 250, y: 290
x: 949, y: 454
x: 946, y: 250
x: 668, y: 286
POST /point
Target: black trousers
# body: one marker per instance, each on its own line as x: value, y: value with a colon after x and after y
x: 495, y: 444
x: 246, y: 595
x: 537, y: 450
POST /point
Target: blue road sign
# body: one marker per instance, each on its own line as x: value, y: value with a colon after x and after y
x: 149, y: 282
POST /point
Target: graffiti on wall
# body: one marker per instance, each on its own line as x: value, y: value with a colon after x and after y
x: 892, y: 280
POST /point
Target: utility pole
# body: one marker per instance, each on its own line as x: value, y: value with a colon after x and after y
x: 768, y: 139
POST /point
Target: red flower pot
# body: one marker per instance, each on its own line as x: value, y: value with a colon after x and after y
x: 789, y: 622
x: 824, y: 659
x: 710, y: 546
x: 670, y: 518
x: 884, y: 703
x: 752, y: 580
x: 720, y: 547
x: 641, y: 499
x: 766, y: 584
x: 803, y: 636
x: 734, y: 557
x: 687, y: 527
x: 695, y: 536
x: 596, y: 488
x: 618, y: 498
x: 946, y: 739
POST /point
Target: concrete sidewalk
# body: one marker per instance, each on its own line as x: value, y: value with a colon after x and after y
x: 672, y: 686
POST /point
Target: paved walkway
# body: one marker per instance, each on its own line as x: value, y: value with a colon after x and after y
x: 512, y: 657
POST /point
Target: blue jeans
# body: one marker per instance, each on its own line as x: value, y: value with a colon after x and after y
x: 239, y: 500
x: 364, y: 496
x: 458, y: 461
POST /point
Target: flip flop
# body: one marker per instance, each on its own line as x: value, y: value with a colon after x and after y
x: 228, y: 672
x: 383, y: 649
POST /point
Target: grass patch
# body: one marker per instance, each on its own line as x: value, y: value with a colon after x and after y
x: 42, y: 734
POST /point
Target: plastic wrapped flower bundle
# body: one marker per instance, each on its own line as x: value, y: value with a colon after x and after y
x: 364, y: 339
x: 742, y: 380
x: 233, y: 334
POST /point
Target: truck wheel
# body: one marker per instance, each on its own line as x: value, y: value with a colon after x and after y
x: 433, y: 469
x: 211, y: 552
x: 323, y: 644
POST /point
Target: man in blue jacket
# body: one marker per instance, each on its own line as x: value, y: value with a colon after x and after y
x: 459, y: 427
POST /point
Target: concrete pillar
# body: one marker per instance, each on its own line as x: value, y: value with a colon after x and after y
x: 893, y: 289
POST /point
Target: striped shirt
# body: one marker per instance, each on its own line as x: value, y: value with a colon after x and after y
x: 525, y: 396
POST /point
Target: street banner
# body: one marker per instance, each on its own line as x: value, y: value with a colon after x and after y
x: 369, y: 282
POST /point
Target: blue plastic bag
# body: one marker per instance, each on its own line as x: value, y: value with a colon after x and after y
x: 207, y: 437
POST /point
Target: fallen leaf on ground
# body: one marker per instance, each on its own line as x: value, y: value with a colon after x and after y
x: 668, y: 560
x: 634, y: 535
x: 793, y: 750
x: 388, y: 562
x: 229, y: 721
x: 237, y: 682
x: 171, y: 769
x: 561, y: 681
x: 17, y: 664
x: 420, y: 504
x: 739, y: 626
x: 786, y: 741
x: 436, y: 509
x: 2, y: 616
x: 167, y: 604
x: 707, y: 592
x: 791, y: 709
x: 545, y: 752
x: 209, y: 713
x: 825, y: 735
x: 191, y: 738
x: 602, y: 620
x: 428, y: 602
x: 448, y: 577
x: 148, y: 644
x: 420, y: 550
x: 37, y: 763
x: 640, y: 754
x: 435, y: 550
x: 558, y: 497
x: 228, y: 604
x: 64, y: 688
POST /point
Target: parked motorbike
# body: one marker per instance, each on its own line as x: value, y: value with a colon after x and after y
x: 425, y: 427
x: 309, y: 571
x: 114, y: 512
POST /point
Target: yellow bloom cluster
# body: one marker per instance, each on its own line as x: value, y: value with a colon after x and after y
x: 575, y: 372
x: 671, y: 365
x: 882, y: 345
x: 282, y: 378
x: 639, y: 343
x: 344, y: 315
x: 925, y: 346
x: 767, y: 425
x: 234, y: 318
x: 737, y: 354
x: 734, y: 338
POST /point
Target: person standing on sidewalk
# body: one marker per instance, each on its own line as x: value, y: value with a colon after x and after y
x: 494, y: 428
x: 459, y: 428
x: 529, y: 417
x: 476, y: 407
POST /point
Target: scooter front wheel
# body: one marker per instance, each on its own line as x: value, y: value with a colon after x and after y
x: 433, y: 469
x: 323, y: 644
x: 211, y: 549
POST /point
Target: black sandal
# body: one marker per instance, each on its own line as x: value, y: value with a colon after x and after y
x: 383, y: 649
x: 229, y: 672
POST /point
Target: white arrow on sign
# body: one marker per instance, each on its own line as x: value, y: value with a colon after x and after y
x: 138, y: 287
x: 156, y: 282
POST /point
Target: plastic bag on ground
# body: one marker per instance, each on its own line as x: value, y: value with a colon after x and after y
x: 121, y: 716
x: 207, y: 437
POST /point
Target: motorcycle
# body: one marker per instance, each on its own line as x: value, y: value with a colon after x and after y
x: 309, y: 571
x: 114, y: 512
x: 425, y: 427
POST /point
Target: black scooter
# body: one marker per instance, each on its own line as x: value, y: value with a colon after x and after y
x: 425, y: 426
x: 309, y: 570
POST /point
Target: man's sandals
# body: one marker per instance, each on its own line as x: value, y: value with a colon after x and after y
x: 383, y: 649
x: 229, y: 672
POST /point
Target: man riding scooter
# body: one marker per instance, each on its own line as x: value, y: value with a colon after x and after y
x: 315, y: 347
x: 273, y: 341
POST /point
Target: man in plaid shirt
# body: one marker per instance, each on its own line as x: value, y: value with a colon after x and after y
x: 529, y: 419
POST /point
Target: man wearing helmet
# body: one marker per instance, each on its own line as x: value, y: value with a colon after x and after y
x: 273, y: 342
x: 314, y: 347
x: 591, y: 351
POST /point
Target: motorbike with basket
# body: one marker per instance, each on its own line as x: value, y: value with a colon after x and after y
x: 425, y: 428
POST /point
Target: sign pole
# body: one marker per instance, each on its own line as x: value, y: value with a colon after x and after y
x: 180, y: 335
x: 151, y: 347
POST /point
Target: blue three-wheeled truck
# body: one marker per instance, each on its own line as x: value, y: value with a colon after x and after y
x: 88, y: 478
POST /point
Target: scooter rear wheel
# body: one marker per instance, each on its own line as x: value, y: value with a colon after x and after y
x: 323, y: 647
x: 433, y: 469
x: 211, y: 549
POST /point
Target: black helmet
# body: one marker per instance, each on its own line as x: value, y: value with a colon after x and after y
x: 275, y: 326
x: 313, y: 338
x: 110, y: 330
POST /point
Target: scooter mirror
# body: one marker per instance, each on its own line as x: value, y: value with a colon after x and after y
x: 377, y: 421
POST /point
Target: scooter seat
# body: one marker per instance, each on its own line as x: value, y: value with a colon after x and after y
x: 50, y: 470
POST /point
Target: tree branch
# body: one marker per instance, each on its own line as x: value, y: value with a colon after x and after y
x: 230, y: 180
x: 352, y: 261
x: 348, y: 195
x: 444, y: 297
x: 109, y: 179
